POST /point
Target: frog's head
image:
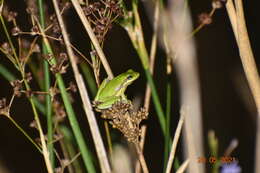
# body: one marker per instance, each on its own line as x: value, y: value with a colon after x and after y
x: 130, y: 76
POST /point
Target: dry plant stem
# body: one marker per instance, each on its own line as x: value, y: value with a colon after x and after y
x: 248, y: 62
x: 186, y: 67
x: 232, y: 146
x: 183, y: 166
x: 232, y: 16
x: 45, y: 151
x: 175, y: 142
x: 151, y: 67
x: 93, y: 38
x: 101, y: 152
x: 141, y: 159
x: 247, y: 56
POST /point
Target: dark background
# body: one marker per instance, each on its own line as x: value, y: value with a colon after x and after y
x: 228, y: 108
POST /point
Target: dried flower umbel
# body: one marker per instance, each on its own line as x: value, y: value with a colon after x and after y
x: 205, y: 19
x: 4, y: 108
x: 122, y: 117
x: 102, y: 14
x: 17, y: 87
x: 60, y: 67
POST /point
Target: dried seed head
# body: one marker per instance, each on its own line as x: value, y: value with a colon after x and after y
x: 58, y: 170
x: 17, y: 86
x: 57, y: 137
x: 7, y: 49
x: 2, y: 103
x: 67, y: 5
x: 4, y: 108
x: 28, y: 93
x: 15, y: 31
x: 65, y: 162
x: 33, y: 124
x: 122, y: 117
x: 48, y: 56
x: 11, y: 16
x: 73, y: 87
x: 36, y: 48
x: 35, y: 30
x: 31, y: 10
x: 205, y: 19
x: 60, y: 113
x: 53, y: 91
x: 56, y: 31
x: 216, y: 4
x: 28, y: 76
x: 97, y: 15
x: 63, y: 57
x: 55, y: 69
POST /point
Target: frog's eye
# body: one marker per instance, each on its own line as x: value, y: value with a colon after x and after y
x: 129, y: 77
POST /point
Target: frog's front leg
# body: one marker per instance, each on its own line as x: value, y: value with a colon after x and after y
x: 101, y: 87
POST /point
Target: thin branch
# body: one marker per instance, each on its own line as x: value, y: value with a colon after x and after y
x: 141, y: 158
x: 183, y: 167
x: 232, y: 16
x: 175, y: 142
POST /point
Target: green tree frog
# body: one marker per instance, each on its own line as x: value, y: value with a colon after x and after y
x: 111, y: 91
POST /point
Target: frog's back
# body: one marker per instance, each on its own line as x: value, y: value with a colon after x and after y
x: 109, y: 89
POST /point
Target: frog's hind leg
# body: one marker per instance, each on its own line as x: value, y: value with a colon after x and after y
x: 108, y: 102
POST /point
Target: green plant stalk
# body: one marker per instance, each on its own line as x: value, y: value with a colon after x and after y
x: 213, y: 147
x: 89, y: 78
x: 176, y: 164
x: 142, y: 52
x: 167, y: 143
x: 143, y: 55
x: 67, y: 144
x: 156, y: 101
x: 36, y: 117
x: 75, y: 126
x: 47, y: 84
x: 71, y: 115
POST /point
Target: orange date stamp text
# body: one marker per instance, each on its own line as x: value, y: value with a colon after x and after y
x: 213, y: 159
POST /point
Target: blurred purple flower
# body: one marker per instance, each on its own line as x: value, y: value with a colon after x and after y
x: 230, y: 168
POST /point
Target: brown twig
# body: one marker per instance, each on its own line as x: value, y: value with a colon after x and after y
x: 183, y: 166
x: 175, y: 142
x: 141, y: 159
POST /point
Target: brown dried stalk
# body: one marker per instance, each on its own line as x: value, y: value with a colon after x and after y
x: 236, y: 16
